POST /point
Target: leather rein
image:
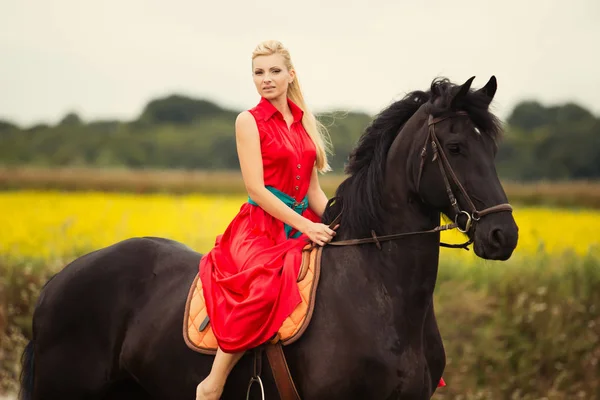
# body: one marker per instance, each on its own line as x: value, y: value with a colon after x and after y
x: 473, y: 215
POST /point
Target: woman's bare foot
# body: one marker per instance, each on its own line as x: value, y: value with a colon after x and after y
x: 208, y: 391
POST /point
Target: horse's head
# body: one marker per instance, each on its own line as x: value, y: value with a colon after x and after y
x: 452, y: 165
x: 436, y: 150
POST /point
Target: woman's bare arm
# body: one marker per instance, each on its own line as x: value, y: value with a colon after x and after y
x: 317, y: 200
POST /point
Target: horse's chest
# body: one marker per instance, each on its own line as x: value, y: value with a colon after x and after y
x: 369, y: 371
x: 388, y: 368
x: 365, y: 378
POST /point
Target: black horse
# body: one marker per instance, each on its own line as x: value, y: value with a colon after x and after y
x: 109, y: 325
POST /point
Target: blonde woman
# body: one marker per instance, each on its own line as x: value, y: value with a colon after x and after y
x: 249, y: 277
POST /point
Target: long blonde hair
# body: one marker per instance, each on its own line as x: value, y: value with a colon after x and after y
x: 315, y: 129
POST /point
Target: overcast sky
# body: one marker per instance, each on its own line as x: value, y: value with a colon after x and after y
x: 107, y: 58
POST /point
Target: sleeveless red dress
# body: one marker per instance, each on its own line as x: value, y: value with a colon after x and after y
x: 249, y: 276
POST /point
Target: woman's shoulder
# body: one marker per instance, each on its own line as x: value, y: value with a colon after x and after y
x: 245, y: 117
x: 254, y: 119
x: 246, y: 124
x: 254, y: 115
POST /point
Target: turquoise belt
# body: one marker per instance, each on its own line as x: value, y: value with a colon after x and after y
x: 290, y: 202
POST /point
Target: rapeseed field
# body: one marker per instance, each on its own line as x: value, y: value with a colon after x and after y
x: 57, y: 226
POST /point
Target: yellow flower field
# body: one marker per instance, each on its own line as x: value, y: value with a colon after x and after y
x: 58, y: 226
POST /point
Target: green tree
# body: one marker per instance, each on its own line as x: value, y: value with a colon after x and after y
x: 6, y: 126
x: 541, y: 142
x: 177, y: 109
x: 71, y: 119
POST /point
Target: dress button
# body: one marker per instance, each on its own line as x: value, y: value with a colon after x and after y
x: 298, y: 177
x: 297, y: 188
x: 298, y: 166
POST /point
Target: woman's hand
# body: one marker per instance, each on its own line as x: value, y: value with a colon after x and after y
x: 319, y: 233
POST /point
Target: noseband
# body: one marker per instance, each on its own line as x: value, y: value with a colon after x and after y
x: 473, y: 215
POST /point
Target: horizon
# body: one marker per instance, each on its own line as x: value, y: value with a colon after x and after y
x: 223, y: 107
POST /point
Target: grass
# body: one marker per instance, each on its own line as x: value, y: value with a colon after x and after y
x: 526, y: 330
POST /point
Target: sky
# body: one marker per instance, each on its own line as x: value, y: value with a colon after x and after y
x: 106, y: 59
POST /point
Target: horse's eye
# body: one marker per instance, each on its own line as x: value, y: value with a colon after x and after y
x: 453, y: 148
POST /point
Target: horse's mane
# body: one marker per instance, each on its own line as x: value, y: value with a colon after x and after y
x: 361, y: 192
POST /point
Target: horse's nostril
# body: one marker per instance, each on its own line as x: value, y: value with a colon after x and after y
x: 497, y: 238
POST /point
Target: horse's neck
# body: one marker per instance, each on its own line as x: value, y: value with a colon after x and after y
x: 408, y: 268
x: 414, y: 254
x: 405, y: 210
x: 413, y: 260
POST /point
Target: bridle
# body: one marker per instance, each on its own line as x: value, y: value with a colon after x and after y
x: 473, y: 215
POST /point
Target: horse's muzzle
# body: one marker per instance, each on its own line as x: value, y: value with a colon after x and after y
x: 496, y: 237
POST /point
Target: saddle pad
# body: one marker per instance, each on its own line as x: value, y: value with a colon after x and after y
x: 292, y: 328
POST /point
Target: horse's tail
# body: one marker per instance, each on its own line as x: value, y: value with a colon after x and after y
x: 26, y: 390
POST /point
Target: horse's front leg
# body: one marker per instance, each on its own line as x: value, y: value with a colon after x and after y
x: 435, y: 354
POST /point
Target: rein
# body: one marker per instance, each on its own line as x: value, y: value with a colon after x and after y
x: 446, y: 169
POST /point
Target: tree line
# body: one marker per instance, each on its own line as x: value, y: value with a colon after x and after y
x: 178, y: 132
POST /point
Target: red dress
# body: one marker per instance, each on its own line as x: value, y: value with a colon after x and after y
x: 249, y: 276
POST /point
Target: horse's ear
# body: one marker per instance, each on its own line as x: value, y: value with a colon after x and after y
x: 489, y: 90
x: 462, y: 92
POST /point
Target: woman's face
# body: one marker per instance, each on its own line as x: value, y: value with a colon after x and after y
x: 271, y: 77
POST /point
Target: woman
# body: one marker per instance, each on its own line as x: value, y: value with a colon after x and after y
x: 249, y: 277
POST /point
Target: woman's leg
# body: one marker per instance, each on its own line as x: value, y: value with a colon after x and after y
x: 212, y: 386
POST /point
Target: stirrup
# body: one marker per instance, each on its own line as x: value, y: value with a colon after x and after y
x: 256, y: 376
x: 262, y: 389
